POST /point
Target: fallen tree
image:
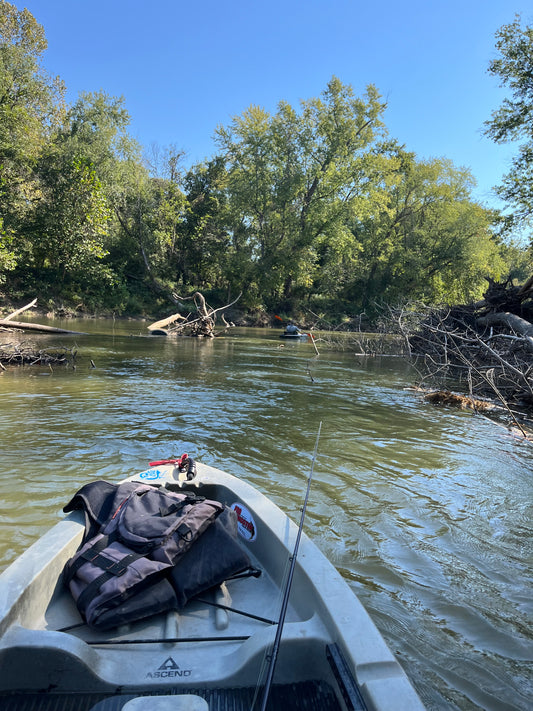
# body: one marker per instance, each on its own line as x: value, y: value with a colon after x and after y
x: 8, y: 323
x: 485, y: 348
x: 518, y: 327
x: 24, y: 326
x: 199, y: 324
x: 19, y: 311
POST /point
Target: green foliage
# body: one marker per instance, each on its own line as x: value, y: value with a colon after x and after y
x: 204, y: 250
x: 309, y: 206
x: 293, y: 178
x: 31, y: 106
x: 513, y: 121
x: 7, y: 257
x: 423, y: 239
x: 517, y: 260
x: 69, y: 224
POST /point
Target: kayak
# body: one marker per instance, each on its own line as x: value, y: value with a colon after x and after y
x: 293, y: 335
x: 212, y: 653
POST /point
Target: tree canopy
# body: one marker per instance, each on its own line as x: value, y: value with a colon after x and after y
x: 312, y: 207
x: 513, y: 120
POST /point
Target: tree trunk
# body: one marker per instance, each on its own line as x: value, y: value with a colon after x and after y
x: 19, y: 311
x: 34, y: 327
x: 511, y: 321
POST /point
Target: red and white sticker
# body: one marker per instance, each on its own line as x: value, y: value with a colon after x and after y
x: 245, y: 522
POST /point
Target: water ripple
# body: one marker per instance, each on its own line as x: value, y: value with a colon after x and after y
x: 425, y: 511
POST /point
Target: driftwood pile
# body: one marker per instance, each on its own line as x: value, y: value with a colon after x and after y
x: 199, y: 324
x: 28, y: 354
x: 486, y: 348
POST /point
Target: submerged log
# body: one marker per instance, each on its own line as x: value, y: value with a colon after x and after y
x: 446, y: 397
x: 28, y: 354
x: 7, y: 323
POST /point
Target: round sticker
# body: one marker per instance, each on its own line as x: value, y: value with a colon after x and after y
x: 245, y: 522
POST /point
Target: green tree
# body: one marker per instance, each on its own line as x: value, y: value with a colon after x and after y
x: 69, y: 224
x: 95, y: 133
x: 205, y: 256
x: 293, y: 178
x: 133, y: 204
x: 68, y: 232
x: 428, y: 241
x: 31, y: 108
x: 513, y: 121
x: 150, y: 211
x: 96, y: 128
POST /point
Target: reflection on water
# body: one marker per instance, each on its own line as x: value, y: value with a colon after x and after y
x: 425, y: 511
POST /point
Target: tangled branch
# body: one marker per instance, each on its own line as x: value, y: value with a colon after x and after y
x: 27, y: 354
x: 201, y: 324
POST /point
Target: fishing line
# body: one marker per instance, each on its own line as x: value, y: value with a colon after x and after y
x: 313, y: 359
x: 271, y: 658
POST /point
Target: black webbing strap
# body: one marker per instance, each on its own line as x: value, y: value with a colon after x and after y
x: 113, y: 568
x: 94, y: 556
x: 176, y: 506
x: 87, y: 556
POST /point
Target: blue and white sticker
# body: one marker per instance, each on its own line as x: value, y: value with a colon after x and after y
x: 152, y: 474
x: 245, y: 522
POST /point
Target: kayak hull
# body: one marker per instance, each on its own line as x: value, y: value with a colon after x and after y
x: 209, y: 646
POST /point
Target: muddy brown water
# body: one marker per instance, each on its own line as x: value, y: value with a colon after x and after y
x: 425, y: 511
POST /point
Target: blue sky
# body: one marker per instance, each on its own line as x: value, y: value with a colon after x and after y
x: 183, y: 68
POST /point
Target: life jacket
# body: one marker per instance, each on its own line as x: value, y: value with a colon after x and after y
x: 146, y: 551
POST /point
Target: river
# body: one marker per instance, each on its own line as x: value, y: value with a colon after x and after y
x: 425, y: 511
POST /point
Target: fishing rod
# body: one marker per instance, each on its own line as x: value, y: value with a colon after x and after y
x: 287, y: 591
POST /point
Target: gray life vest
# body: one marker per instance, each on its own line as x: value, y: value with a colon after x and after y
x: 130, y: 568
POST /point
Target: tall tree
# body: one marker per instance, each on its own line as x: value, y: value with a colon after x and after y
x: 513, y: 121
x: 205, y: 252
x: 150, y: 211
x: 96, y: 128
x: 69, y: 225
x: 293, y: 177
x: 428, y: 240
x: 31, y: 108
x: 69, y: 230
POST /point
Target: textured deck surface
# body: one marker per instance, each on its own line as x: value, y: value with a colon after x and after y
x: 308, y: 696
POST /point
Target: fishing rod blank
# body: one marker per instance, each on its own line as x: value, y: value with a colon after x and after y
x: 287, y: 592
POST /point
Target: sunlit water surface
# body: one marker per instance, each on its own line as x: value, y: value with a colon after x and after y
x: 425, y: 511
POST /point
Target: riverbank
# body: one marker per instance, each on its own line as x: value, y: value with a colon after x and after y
x: 237, y: 317
x: 246, y: 318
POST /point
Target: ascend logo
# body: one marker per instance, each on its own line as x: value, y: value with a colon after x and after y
x: 169, y: 668
x: 168, y: 664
